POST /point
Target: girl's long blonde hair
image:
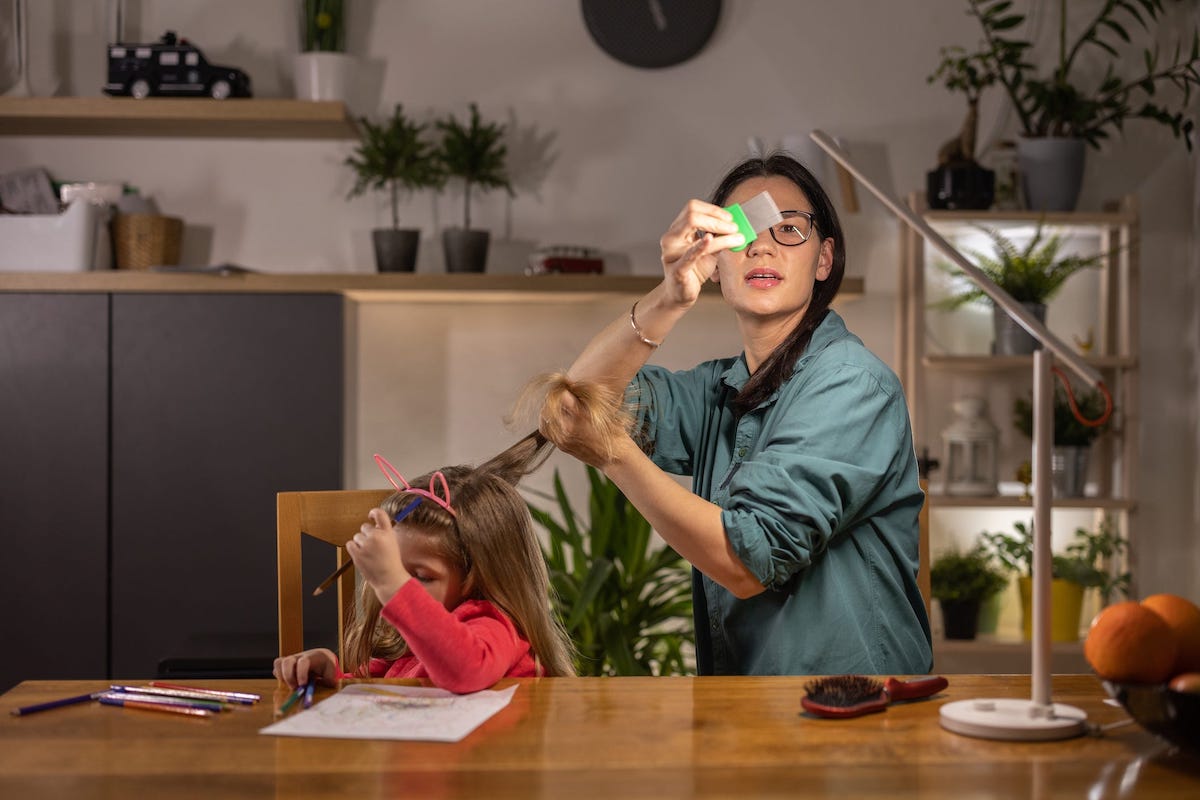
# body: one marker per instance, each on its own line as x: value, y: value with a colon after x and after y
x: 492, y: 541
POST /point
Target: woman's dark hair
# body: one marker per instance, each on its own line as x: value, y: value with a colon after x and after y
x: 778, y: 367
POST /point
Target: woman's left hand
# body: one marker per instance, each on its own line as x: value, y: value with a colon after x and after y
x: 376, y: 553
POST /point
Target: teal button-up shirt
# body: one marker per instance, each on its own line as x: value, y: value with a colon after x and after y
x: 820, y: 497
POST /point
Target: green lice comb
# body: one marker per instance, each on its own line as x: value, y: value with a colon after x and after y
x: 755, y: 215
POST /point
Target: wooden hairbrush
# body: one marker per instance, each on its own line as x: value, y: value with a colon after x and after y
x: 841, y: 696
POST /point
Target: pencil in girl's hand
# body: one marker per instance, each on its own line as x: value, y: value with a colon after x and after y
x: 66, y: 701
x: 325, y: 584
x: 308, y: 693
x: 291, y: 701
x: 756, y: 214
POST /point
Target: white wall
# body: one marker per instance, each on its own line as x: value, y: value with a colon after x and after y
x: 604, y: 154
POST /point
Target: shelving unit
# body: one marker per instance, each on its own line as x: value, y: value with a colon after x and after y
x: 944, y: 355
x: 271, y: 118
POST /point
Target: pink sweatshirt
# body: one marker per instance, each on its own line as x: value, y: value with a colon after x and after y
x: 464, y: 650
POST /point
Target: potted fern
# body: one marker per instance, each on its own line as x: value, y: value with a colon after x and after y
x: 392, y: 156
x: 1064, y: 112
x: 961, y: 583
x: 626, y: 603
x: 474, y: 152
x: 1032, y: 274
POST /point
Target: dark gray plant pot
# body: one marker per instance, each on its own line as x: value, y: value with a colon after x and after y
x: 1068, y: 470
x: 1009, y: 338
x: 1051, y: 171
x: 960, y: 618
x: 466, y: 250
x: 396, y: 249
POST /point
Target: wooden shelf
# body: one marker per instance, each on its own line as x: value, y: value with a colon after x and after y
x: 360, y: 286
x: 180, y: 117
x: 1057, y: 219
x: 1013, y: 501
x: 985, y: 363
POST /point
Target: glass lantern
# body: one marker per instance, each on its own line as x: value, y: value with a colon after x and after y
x: 970, y: 450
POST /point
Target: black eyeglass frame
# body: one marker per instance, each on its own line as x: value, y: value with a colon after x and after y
x: 812, y: 225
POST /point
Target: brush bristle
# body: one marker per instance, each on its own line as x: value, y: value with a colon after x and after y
x: 843, y: 691
x: 761, y: 212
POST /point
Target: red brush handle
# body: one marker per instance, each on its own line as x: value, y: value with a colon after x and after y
x: 912, y: 690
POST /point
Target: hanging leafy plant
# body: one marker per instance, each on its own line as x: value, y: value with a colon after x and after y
x: 626, y: 603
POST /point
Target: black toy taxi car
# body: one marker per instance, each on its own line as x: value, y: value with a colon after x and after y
x: 170, y: 67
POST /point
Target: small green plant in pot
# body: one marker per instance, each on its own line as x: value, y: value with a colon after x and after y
x: 1072, y: 438
x: 473, y: 151
x: 322, y: 70
x: 626, y: 603
x: 1032, y: 274
x: 961, y: 582
x: 394, y: 157
x: 1087, y: 563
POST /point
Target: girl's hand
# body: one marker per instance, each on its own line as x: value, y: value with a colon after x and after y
x: 376, y: 553
x: 690, y: 247
x: 295, y: 670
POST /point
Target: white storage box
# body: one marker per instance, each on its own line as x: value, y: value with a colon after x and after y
x: 74, y: 241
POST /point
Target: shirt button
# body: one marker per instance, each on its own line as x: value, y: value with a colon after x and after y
x: 714, y: 624
x: 741, y: 452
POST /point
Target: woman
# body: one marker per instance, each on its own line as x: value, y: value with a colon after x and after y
x: 803, y: 523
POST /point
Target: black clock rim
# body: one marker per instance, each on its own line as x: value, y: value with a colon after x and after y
x: 614, y: 37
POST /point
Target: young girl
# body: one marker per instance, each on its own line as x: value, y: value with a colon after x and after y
x: 459, y: 581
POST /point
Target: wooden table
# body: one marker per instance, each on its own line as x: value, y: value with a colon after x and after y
x: 588, y: 737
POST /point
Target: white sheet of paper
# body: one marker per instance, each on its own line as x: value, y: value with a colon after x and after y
x: 381, y: 711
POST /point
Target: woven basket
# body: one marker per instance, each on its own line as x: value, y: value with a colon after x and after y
x: 147, y: 240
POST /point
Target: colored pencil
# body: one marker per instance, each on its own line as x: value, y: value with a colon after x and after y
x: 182, y: 702
x: 66, y: 701
x: 291, y: 701
x: 207, y: 701
x: 325, y: 584
x: 117, y: 700
x: 245, y: 698
x: 308, y: 693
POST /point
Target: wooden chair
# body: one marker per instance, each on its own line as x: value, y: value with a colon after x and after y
x: 333, y: 517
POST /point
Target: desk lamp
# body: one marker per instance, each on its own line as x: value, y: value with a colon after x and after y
x: 1038, y: 718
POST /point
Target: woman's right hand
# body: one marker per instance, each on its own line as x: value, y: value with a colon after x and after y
x: 295, y: 670
x: 690, y: 248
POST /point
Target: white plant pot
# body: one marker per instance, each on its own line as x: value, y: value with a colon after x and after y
x: 324, y: 76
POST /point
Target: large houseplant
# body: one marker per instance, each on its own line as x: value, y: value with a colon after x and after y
x: 1069, y: 105
x: 961, y: 582
x: 1086, y: 563
x: 625, y: 602
x: 1032, y: 274
x: 473, y: 151
x: 393, y: 156
x: 322, y: 70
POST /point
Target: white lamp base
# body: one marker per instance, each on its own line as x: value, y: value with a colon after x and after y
x: 1013, y: 720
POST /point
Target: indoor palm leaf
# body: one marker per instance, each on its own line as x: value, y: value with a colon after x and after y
x: 625, y: 602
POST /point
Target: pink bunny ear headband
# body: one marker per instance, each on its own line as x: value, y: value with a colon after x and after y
x: 401, y: 485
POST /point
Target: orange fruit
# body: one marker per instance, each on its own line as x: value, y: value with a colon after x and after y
x: 1130, y: 643
x: 1183, y: 616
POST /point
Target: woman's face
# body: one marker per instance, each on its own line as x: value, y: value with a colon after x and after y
x: 768, y: 280
x: 424, y: 560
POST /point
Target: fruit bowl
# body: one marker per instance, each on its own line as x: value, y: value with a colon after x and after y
x: 1170, y: 715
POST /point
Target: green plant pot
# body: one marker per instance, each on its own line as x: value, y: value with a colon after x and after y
x: 1066, y: 608
x: 989, y: 614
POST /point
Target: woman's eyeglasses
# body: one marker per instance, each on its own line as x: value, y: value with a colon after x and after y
x: 401, y: 485
x: 795, y: 228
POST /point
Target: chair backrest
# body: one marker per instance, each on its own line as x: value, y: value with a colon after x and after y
x: 333, y: 517
x: 923, y: 551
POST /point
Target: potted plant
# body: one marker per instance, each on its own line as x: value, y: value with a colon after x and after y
x: 322, y: 70
x: 1062, y: 113
x: 1086, y: 563
x: 626, y: 603
x: 1032, y: 274
x: 393, y: 157
x: 475, y: 152
x: 961, y: 582
x: 1072, y: 438
x: 959, y: 182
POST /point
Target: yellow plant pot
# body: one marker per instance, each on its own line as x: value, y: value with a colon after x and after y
x: 1066, y: 607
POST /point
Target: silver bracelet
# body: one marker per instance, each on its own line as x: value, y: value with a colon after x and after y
x: 638, y: 331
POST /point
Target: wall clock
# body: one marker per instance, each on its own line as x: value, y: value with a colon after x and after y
x: 651, y: 33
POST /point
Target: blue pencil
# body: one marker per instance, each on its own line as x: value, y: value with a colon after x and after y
x: 66, y: 701
x: 325, y: 584
x: 308, y: 693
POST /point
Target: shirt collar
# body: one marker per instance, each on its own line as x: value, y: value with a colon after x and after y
x: 832, y: 328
